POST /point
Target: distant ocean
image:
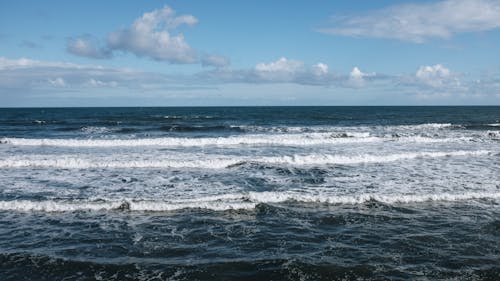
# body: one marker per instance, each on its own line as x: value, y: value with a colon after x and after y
x: 250, y: 193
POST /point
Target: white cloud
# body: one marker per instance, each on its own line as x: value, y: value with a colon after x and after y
x: 418, y: 22
x: 434, y: 82
x: 87, y: 47
x: 283, y: 70
x: 28, y: 75
x: 98, y: 83
x: 357, y: 78
x: 320, y: 69
x: 12, y: 64
x: 286, y: 70
x: 356, y: 73
x: 151, y: 36
x: 281, y: 65
x: 439, y: 78
x: 438, y: 82
x: 58, y: 82
x: 434, y: 75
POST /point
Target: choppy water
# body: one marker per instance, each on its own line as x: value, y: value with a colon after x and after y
x: 254, y: 193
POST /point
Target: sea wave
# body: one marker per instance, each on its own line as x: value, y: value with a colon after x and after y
x: 319, y: 159
x: 193, y: 128
x: 243, y: 201
x: 221, y: 162
x: 308, y: 139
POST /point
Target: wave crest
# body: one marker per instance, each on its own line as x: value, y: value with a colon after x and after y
x: 247, y: 201
x: 221, y: 162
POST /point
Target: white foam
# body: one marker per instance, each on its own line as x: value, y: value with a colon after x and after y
x: 78, y: 163
x: 277, y: 197
x: 423, y: 126
x: 54, y: 206
x: 434, y: 125
x: 308, y: 139
x: 318, y: 159
x: 209, y: 205
x: 95, y: 130
x: 242, y: 201
x: 221, y: 162
x: 299, y: 129
x: 284, y: 139
x: 155, y: 206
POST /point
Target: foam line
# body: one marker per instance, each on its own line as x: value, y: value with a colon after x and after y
x: 318, y: 159
x: 77, y: 163
x: 222, y: 162
x: 276, y: 197
x: 225, y: 162
x: 246, y: 201
x: 308, y: 139
x: 280, y: 139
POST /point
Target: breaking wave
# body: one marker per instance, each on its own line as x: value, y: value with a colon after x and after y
x: 244, y: 201
x: 221, y: 162
x: 254, y: 139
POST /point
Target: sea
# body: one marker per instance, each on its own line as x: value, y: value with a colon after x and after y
x: 250, y: 193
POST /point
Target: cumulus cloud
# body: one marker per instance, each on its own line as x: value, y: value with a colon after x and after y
x: 99, y: 84
x: 58, y: 82
x: 320, y: 69
x: 281, y: 65
x: 87, y: 47
x: 437, y: 81
x: 356, y: 78
x: 419, y: 22
x: 283, y: 70
x: 356, y: 74
x: 434, y: 75
x: 431, y: 82
x: 152, y: 36
x: 286, y: 70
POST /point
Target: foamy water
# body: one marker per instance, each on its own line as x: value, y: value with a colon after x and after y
x: 134, y: 192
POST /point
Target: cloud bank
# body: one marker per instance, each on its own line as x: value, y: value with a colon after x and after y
x: 283, y: 70
x: 26, y: 75
x: 23, y: 76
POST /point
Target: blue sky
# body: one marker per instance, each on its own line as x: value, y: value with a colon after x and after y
x: 192, y: 53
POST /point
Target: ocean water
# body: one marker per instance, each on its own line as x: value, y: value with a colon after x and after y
x: 250, y: 193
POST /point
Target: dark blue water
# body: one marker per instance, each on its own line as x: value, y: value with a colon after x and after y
x: 250, y: 193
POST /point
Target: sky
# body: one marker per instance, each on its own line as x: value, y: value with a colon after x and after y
x: 246, y: 53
